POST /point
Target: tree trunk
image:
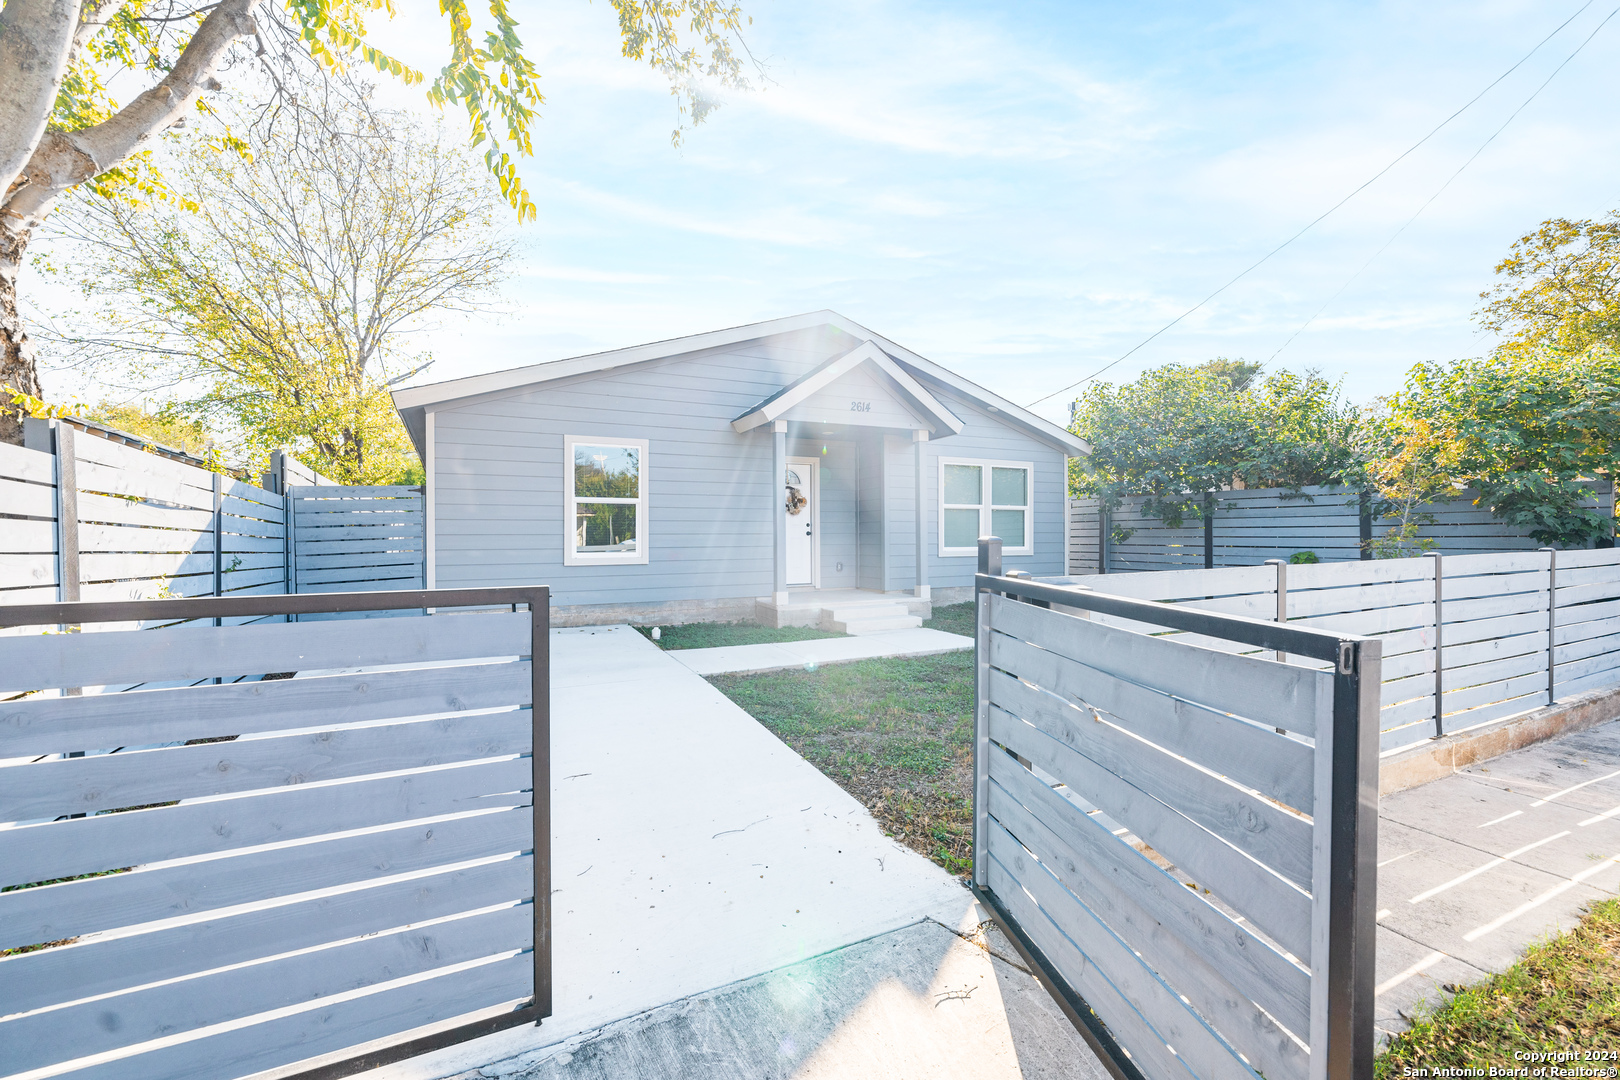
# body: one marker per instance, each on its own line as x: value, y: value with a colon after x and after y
x: 16, y: 352
x: 57, y: 161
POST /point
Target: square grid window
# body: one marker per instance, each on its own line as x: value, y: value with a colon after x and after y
x: 604, y: 501
x: 986, y: 498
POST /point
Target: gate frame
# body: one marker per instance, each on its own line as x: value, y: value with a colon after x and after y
x: 538, y: 597
x: 1344, y: 929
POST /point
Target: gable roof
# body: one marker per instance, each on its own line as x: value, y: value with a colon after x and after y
x: 413, y: 402
x: 866, y: 352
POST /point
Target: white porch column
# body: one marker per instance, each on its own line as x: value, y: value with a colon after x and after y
x: 779, y: 590
x: 919, y: 443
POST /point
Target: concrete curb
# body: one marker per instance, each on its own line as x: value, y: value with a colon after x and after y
x: 1435, y: 758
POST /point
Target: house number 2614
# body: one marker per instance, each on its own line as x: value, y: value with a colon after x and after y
x: 860, y: 406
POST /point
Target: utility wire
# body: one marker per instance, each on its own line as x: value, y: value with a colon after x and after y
x: 1264, y: 258
x: 1396, y: 235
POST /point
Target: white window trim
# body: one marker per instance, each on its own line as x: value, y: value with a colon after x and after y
x: 985, y: 507
x: 643, y: 526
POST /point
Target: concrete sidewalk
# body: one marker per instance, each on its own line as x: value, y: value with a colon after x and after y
x: 693, y: 850
x: 781, y: 656
x: 1478, y: 865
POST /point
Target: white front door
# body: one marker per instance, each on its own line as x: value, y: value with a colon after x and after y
x: 800, y: 505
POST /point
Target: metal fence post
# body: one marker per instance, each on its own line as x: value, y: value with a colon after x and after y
x: 1344, y: 881
x: 1209, y: 530
x: 67, y: 510
x: 1105, y: 528
x: 1552, y: 623
x: 989, y: 563
x: 1439, y: 641
x: 540, y: 724
x: 1282, y: 598
x: 1364, y: 508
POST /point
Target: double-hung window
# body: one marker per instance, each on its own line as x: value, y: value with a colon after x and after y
x: 604, y: 500
x: 986, y: 498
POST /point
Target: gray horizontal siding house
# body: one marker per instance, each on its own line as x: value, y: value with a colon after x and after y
x: 799, y: 471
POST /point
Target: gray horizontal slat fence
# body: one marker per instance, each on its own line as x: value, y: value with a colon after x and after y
x: 29, y: 564
x: 368, y: 845
x: 347, y: 538
x: 1091, y: 718
x: 1252, y: 526
x: 96, y: 519
x: 1509, y: 631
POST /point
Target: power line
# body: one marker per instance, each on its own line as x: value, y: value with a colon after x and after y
x: 1264, y: 258
x: 1439, y: 191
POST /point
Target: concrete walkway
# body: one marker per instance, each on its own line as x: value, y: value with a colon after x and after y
x: 693, y: 851
x: 1476, y: 866
x: 781, y: 656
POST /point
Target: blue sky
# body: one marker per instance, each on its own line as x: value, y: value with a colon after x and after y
x: 1023, y: 191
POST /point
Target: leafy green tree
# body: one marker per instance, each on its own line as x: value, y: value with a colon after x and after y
x: 1559, y: 286
x: 1533, y: 428
x: 60, y: 127
x: 1179, y: 431
x: 282, y: 307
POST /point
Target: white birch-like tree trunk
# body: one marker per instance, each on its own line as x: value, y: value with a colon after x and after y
x: 38, y: 40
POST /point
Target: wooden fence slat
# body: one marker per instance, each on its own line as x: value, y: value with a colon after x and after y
x: 24, y: 537
x: 1270, y: 902
x: 108, y: 966
x: 94, y: 566
x: 94, y: 538
x: 209, y: 652
x: 1491, y: 712
x: 27, y: 500
x: 35, y: 1041
x: 331, y: 1027
x: 305, y: 492
x: 107, y: 510
x: 1591, y: 646
x: 1592, y: 557
x: 1461, y: 676
x: 1039, y: 816
x: 1358, y: 598
x: 143, y: 480
x: 1255, y: 756
x: 27, y: 571
x: 1253, y: 825
x: 1459, y: 566
x: 353, y: 534
x: 395, y: 557
x: 1277, y: 695
x: 91, y: 845
x: 1488, y: 693
x: 362, y: 570
x: 19, y: 463
x: 109, y: 902
x: 1592, y: 680
x: 1088, y: 981
x: 86, y: 785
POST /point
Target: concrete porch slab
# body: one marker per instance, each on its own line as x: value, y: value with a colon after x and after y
x: 749, y: 659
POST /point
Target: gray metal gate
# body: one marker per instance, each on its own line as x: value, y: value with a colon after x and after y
x: 214, y: 873
x: 1175, y: 818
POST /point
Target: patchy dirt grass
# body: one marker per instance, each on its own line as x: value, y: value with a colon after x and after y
x: 953, y: 619
x: 714, y: 635
x: 895, y: 733
x: 1564, y: 995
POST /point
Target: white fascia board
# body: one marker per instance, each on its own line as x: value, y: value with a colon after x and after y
x: 533, y: 374
x: 867, y: 352
x: 1016, y: 413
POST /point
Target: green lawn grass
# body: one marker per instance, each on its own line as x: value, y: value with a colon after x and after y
x: 714, y: 635
x: 1563, y: 995
x: 895, y: 733
x: 953, y: 619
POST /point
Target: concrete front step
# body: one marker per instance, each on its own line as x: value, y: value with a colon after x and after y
x: 856, y: 627
x: 868, y: 617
